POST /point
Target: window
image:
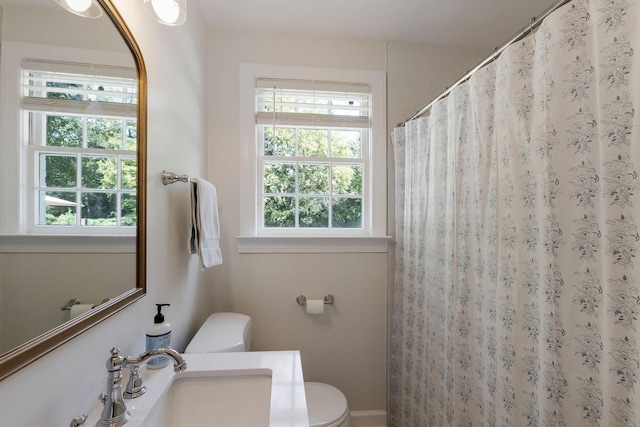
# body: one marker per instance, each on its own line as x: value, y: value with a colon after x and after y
x: 81, y: 135
x: 69, y: 141
x: 316, y: 156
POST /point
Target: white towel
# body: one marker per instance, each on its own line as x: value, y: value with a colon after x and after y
x: 205, y: 225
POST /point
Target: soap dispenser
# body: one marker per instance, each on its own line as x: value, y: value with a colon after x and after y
x: 158, y: 336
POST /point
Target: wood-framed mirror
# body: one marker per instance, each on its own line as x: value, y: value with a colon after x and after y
x: 78, y: 230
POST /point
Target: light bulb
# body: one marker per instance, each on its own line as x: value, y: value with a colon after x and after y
x: 78, y: 5
x: 167, y: 11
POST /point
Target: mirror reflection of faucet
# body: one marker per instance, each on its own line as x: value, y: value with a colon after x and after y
x: 115, y: 413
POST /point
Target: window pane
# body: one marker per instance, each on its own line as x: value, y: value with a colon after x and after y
x: 129, y: 173
x: 265, y: 104
x: 99, y: 172
x: 116, y: 92
x: 59, y: 171
x: 279, y: 178
x: 285, y: 142
x: 347, y: 213
x: 283, y: 104
x: 313, y: 142
x: 128, y: 210
x: 313, y: 179
x: 279, y: 211
x: 354, y: 105
x: 347, y: 179
x: 346, y: 144
x: 64, y: 131
x: 312, y: 160
x: 132, y: 135
x: 67, y: 90
x: 59, y: 208
x: 314, y: 212
x: 104, y: 133
x: 99, y: 209
x: 313, y: 106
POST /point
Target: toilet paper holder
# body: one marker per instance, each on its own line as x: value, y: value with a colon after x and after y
x: 71, y: 303
x: 74, y: 301
x: 302, y: 300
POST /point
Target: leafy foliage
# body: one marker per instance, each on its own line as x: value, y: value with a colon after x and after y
x: 98, y: 172
x: 312, y: 178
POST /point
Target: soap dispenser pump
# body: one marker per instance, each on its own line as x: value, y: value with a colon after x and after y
x: 158, y: 336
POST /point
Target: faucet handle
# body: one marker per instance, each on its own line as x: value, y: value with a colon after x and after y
x: 78, y: 420
x: 135, y: 388
x: 114, y: 363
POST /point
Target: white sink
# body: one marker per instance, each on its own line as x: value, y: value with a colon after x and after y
x: 251, y: 389
x: 240, y: 398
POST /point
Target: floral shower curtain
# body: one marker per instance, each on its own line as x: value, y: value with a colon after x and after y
x: 517, y: 290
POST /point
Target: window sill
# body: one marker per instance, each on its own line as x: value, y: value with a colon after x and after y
x: 289, y: 244
x: 30, y: 243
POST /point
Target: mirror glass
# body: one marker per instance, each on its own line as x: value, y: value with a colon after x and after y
x: 72, y: 149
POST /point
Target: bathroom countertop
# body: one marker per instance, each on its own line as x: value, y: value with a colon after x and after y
x: 288, y: 401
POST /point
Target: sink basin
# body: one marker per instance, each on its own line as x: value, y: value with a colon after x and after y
x: 244, y: 389
x: 239, y: 398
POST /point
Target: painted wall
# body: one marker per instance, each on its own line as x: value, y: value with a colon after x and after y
x: 67, y: 381
x: 345, y: 347
x: 49, y: 286
x: 33, y: 25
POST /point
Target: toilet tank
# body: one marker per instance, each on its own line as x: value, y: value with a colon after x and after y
x: 222, y: 332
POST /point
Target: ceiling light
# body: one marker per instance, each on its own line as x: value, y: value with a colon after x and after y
x: 84, y: 8
x: 167, y: 12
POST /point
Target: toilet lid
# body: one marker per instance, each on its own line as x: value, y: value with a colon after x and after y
x: 325, y: 404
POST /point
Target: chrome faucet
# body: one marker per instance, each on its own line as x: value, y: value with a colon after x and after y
x: 114, y: 413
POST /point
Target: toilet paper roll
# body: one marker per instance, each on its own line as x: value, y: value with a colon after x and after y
x: 315, y: 306
x: 78, y: 309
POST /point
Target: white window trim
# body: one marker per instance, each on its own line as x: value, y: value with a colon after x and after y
x: 375, y: 239
x: 14, y: 205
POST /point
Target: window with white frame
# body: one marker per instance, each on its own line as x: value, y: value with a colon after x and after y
x: 318, y: 152
x: 78, y: 131
x: 69, y: 139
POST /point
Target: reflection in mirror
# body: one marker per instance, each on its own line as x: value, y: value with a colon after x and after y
x: 72, y: 151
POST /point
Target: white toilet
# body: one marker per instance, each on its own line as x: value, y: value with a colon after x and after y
x: 225, y: 332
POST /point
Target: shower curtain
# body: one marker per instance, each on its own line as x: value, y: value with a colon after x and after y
x: 517, y: 287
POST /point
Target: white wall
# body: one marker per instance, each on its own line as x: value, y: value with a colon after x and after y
x: 33, y: 25
x: 418, y: 72
x: 93, y: 277
x: 345, y: 347
x: 67, y: 381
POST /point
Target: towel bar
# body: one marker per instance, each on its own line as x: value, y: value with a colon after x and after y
x: 170, y: 178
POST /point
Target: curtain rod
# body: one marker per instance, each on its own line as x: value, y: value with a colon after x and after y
x: 496, y: 52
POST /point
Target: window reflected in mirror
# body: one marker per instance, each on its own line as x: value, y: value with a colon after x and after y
x: 72, y: 201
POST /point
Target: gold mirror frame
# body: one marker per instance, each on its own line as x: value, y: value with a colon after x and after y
x: 22, y: 356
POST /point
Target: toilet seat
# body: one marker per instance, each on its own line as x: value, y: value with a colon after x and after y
x: 326, y: 405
